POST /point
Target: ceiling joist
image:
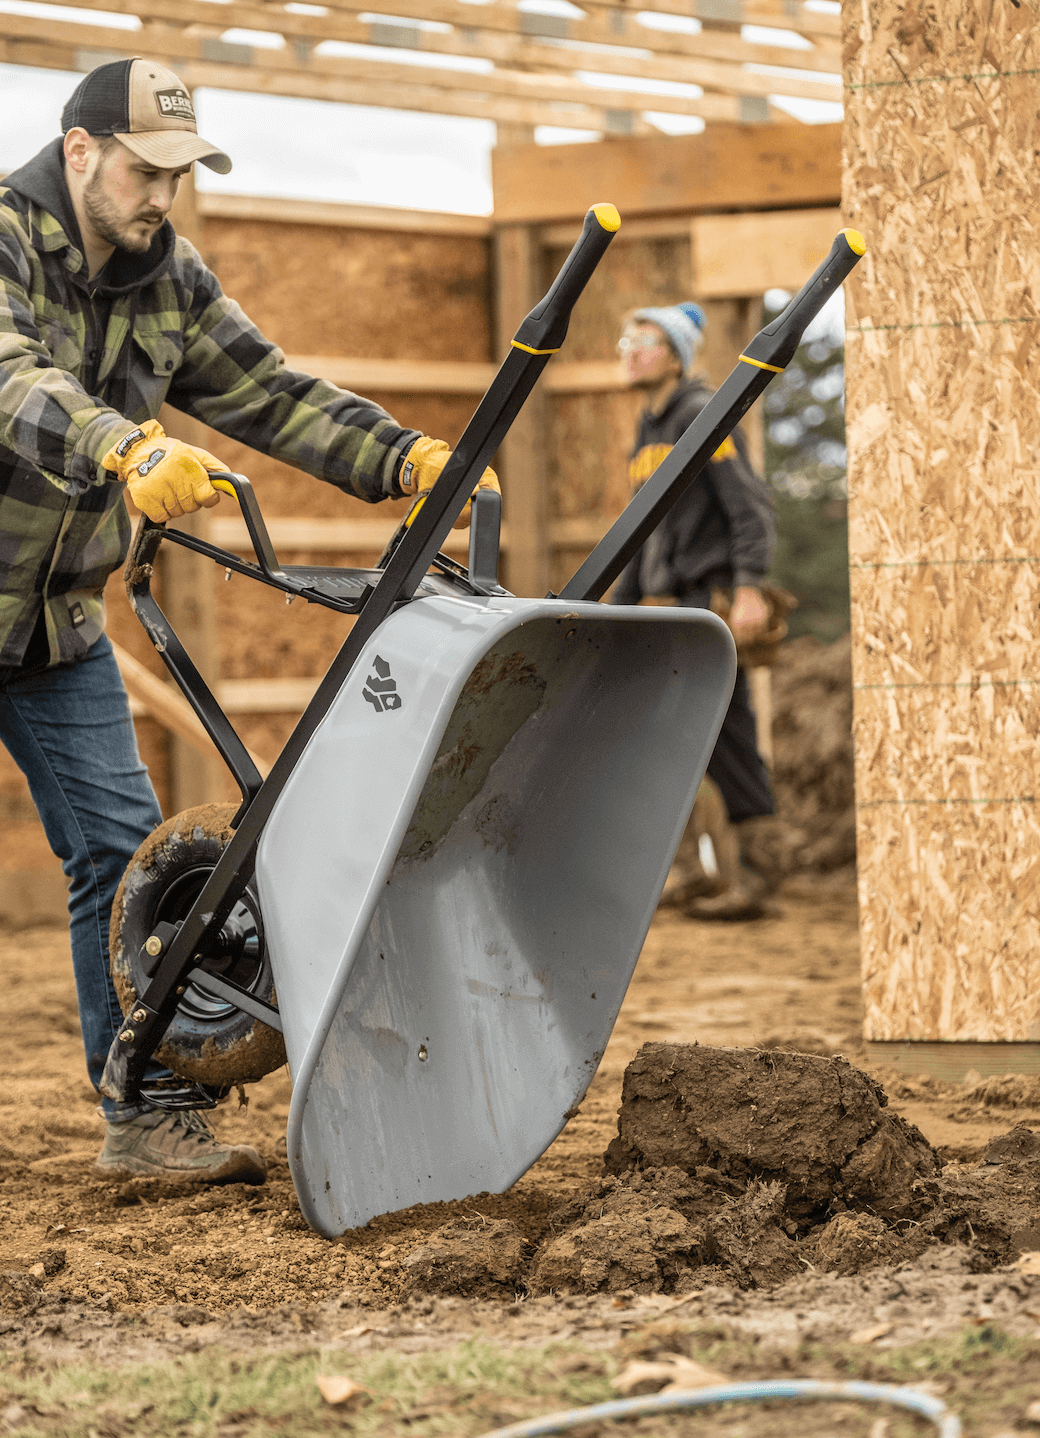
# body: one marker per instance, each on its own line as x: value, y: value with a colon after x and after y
x: 538, y: 69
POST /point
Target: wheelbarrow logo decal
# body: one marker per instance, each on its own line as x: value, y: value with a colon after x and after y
x: 380, y: 690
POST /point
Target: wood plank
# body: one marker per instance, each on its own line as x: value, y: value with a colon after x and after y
x: 322, y: 212
x: 187, y: 597
x: 584, y: 377
x: 397, y: 376
x: 735, y: 255
x: 727, y: 167
x: 369, y: 536
x: 664, y: 227
x: 361, y: 537
x: 200, y: 60
x: 470, y: 37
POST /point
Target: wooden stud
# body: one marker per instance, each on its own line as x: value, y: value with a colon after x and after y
x: 518, y: 287
x: 187, y: 580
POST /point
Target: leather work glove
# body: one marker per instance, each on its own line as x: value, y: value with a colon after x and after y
x: 166, y: 477
x: 422, y: 468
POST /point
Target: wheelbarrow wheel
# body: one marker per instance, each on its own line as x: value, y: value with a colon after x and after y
x: 208, y: 1039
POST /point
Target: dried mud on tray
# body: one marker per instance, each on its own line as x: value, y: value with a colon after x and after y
x: 756, y: 1172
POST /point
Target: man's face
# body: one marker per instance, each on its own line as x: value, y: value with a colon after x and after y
x: 126, y: 199
x: 647, y: 355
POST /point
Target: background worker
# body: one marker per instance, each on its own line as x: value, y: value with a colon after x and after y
x: 719, y: 537
x: 105, y: 314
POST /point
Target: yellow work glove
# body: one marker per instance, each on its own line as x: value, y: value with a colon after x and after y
x: 422, y: 469
x: 166, y: 477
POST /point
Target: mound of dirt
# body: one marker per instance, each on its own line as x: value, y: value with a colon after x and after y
x: 812, y: 753
x: 817, y: 1126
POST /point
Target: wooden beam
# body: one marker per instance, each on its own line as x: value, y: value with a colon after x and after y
x: 737, y: 255
x: 508, y: 96
x: 470, y: 36
x: 369, y: 536
x: 728, y: 167
x: 212, y: 206
x: 663, y: 227
x: 397, y: 376
x: 519, y: 285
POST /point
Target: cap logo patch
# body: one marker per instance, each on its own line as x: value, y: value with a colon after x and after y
x: 175, y: 105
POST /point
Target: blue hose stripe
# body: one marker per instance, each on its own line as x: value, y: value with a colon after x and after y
x: 920, y: 1403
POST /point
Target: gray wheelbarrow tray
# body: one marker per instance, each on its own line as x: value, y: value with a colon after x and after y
x: 459, y: 851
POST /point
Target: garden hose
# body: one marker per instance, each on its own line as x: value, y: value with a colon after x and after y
x: 922, y: 1404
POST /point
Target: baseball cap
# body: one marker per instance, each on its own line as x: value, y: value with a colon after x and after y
x: 147, y: 108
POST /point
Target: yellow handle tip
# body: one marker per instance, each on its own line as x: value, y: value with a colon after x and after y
x: 608, y: 217
x: 857, y: 244
x: 224, y: 485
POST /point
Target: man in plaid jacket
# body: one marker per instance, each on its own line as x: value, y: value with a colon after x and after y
x: 105, y: 314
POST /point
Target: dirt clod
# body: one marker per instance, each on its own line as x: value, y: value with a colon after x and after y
x: 19, y: 1292
x: 629, y: 1235
x: 477, y: 1256
x: 1020, y: 1143
x: 817, y: 1126
x: 746, y: 1237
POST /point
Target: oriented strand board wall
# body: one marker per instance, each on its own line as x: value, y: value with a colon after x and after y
x: 942, y: 143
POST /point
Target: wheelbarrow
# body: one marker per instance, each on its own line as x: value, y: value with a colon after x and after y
x: 433, y: 905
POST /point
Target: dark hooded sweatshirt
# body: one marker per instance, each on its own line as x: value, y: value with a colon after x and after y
x: 720, y: 533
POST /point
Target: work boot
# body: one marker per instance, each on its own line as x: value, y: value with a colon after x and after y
x: 763, y: 850
x: 762, y: 865
x: 179, y: 1147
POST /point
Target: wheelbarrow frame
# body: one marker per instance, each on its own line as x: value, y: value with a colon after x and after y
x: 176, y: 954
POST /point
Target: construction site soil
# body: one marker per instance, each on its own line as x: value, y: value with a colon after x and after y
x: 757, y: 1179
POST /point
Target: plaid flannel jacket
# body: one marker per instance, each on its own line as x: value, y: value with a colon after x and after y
x: 82, y: 363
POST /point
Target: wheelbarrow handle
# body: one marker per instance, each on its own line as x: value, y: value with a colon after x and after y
x: 545, y: 328
x: 768, y: 353
x: 774, y: 347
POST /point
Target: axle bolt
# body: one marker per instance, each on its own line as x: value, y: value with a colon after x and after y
x: 126, y: 1036
x: 139, y: 1016
x: 153, y: 945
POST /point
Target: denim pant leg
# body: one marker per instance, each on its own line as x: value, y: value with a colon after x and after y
x: 736, y: 766
x: 70, y: 732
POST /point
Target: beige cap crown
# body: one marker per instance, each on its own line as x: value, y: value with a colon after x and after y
x: 163, y: 130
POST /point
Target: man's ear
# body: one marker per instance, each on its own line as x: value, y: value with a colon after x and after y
x: 78, y: 148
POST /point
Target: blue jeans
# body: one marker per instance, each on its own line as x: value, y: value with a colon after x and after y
x: 70, y: 732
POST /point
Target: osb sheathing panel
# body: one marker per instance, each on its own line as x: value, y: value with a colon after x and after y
x: 378, y: 294
x: 942, y: 143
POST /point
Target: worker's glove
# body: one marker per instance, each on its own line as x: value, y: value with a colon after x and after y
x: 166, y: 477
x: 422, y: 469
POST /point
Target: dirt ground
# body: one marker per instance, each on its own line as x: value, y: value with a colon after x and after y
x: 139, y: 1271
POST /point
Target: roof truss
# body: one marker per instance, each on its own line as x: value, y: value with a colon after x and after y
x: 536, y: 69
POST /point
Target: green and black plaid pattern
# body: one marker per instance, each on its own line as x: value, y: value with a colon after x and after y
x: 72, y: 386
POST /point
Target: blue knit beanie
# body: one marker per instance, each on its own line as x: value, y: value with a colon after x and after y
x: 683, y: 324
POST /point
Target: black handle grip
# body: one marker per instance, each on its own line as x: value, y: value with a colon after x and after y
x: 774, y: 347
x: 545, y: 328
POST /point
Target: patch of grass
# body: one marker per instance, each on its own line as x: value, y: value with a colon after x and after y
x: 469, y: 1389
x: 986, y: 1376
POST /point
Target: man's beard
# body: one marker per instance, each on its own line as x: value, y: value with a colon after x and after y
x: 106, y: 221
